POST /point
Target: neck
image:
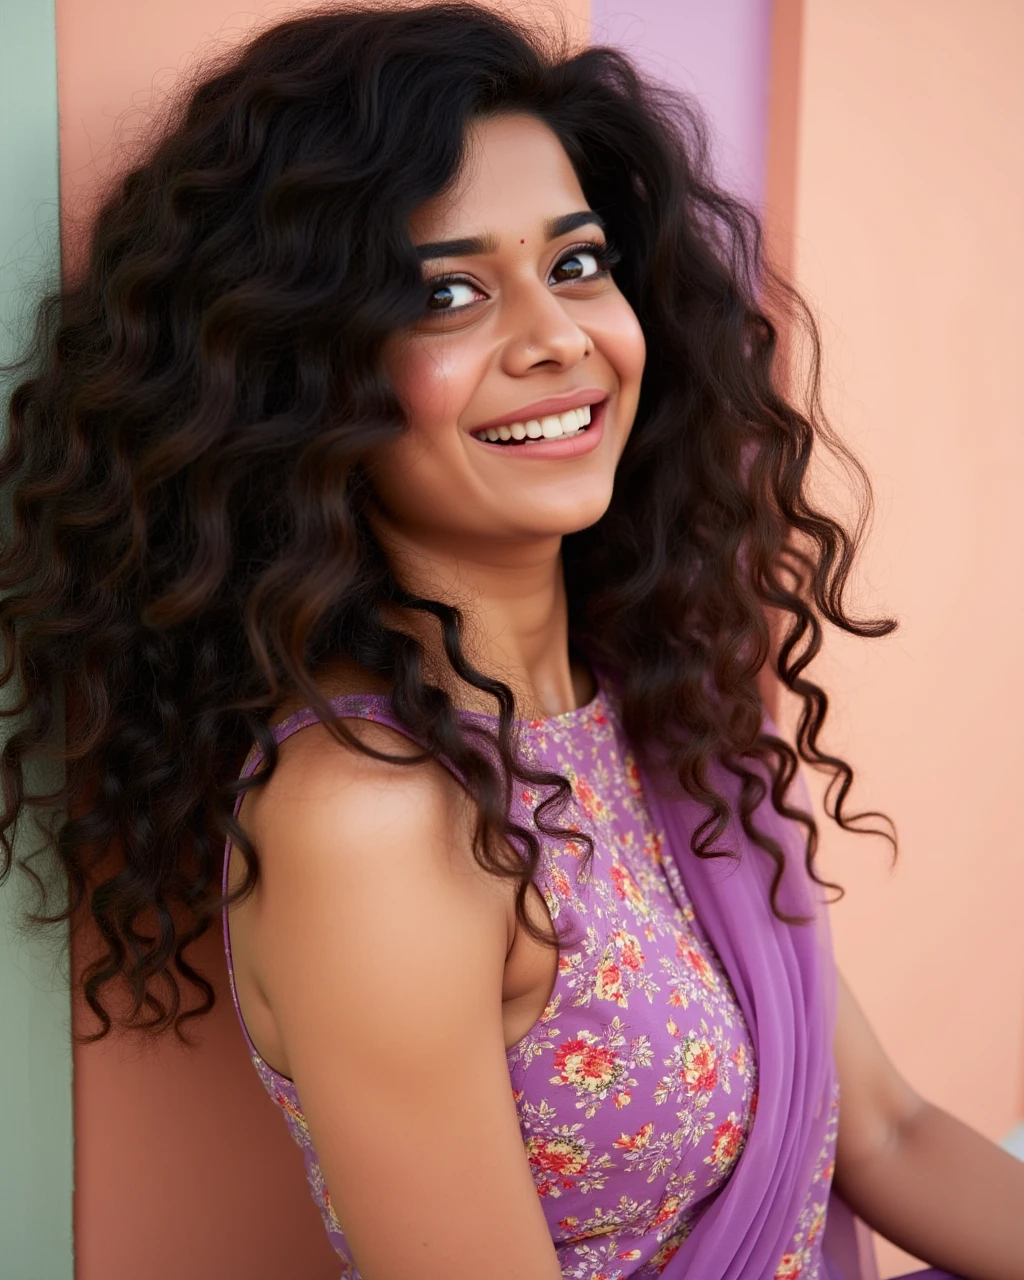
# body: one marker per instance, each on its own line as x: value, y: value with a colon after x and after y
x: 512, y: 597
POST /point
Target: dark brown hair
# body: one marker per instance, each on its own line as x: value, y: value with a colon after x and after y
x: 185, y: 481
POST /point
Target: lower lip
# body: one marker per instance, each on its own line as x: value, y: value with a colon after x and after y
x: 575, y: 446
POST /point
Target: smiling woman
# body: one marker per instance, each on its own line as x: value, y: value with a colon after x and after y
x: 406, y: 549
x: 532, y: 326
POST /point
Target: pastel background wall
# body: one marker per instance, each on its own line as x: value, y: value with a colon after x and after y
x: 35, y: 1048
x: 881, y: 142
x: 908, y: 207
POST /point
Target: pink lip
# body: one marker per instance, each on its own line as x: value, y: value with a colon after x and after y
x: 552, y: 405
x: 563, y: 447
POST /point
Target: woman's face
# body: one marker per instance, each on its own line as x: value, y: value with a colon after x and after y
x: 523, y: 326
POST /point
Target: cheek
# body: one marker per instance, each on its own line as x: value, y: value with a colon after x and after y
x: 622, y: 341
x: 433, y: 380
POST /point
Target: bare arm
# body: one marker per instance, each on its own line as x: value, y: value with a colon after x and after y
x: 381, y: 952
x: 913, y: 1172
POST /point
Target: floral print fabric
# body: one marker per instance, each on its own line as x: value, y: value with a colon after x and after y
x: 637, y: 1087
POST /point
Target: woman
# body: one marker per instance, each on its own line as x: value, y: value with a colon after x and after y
x: 416, y: 420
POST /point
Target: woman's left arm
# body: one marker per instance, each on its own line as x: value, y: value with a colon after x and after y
x: 913, y: 1172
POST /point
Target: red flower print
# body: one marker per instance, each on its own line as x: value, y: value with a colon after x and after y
x: 668, y: 1208
x: 592, y: 803
x: 586, y: 1064
x: 653, y: 845
x: 668, y: 1251
x: 789, y: 1268
x: 699, y: 1069
x: 608, y: 982
x: 626, y: 887
x: 629, y: 950
x: 561, y: 884
x: 696, y: 962
x: 728, y: 1143
x: 556, y: 1162
x: 636, y: 1141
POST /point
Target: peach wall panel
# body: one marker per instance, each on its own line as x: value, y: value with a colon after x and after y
x: 909, y: 204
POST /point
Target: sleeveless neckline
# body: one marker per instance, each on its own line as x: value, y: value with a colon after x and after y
x: 357, y: 701
x: 561, y: 719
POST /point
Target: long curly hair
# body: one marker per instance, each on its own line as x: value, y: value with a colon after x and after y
x: 185, y: 485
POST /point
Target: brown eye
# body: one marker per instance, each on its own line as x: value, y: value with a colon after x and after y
x: 440, y: 298
x: 451, y: 295
x: 578, y: 265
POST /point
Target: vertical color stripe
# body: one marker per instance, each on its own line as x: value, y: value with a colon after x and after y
x: 35, y: 1050
x: 718, y: 52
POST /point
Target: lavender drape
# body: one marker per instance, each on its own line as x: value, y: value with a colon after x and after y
x: 786, y: 983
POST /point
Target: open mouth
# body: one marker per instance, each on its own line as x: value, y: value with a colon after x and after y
x: 556, y: 426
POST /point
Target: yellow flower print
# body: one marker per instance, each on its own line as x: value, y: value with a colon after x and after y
x: 669, y: 1250
x: 560, y: 883
x: 685, y: 950
x: 653, y: 847
x: 630, y: 954
x: 556, y: 1163
x: 669, y: 1208
x: 294, y: 1118
x: 323, y: 1197
x: 626, y: 887
x: 636, y: 1141
x: 789, y: 1268
x: 608, y: 982
x: 729, y: 1142
x: 699, y: 1069
x: 593, y: 805
x: 817, y: 1223
x: 586, y: 1064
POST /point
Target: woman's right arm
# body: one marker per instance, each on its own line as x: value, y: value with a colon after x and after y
x: 381, y: 947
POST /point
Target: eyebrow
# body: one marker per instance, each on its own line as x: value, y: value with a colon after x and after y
x: 488, y: 243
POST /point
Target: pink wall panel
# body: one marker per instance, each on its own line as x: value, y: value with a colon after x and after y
x: 720, y: 53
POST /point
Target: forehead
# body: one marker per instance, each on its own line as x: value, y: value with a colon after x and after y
x: 516, y: 175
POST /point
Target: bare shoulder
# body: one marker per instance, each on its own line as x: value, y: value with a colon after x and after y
x: 329, y: 806
x: 381, y: 948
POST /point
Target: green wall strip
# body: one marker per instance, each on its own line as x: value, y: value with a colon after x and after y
x: 36, y: 1121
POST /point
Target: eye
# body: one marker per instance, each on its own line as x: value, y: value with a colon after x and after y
x: 451, y: 295
x: 585, y: 262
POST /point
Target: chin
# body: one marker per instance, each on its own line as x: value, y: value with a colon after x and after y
x: 572, y: 520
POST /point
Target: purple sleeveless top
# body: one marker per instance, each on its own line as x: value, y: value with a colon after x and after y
x: 637, y: 1087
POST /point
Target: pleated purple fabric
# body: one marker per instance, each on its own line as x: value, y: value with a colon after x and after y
x: 786, y: 983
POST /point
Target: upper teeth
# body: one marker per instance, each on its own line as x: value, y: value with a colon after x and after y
x: 562, y: 424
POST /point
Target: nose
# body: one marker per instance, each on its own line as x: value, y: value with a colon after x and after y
x: 541, y: 331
